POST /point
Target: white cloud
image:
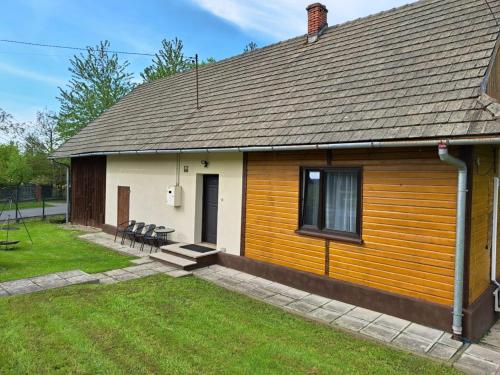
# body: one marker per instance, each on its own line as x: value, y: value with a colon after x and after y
x: 282, y: 19
x: 30, y: 74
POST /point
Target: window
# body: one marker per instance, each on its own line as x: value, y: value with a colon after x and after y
x: 330, y: 202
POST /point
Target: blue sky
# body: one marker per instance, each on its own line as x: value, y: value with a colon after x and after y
x: 30, y: 76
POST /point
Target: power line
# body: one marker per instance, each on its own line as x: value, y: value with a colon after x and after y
x: 71, y: 48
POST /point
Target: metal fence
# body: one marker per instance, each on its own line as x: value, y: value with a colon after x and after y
x: 31, y: 200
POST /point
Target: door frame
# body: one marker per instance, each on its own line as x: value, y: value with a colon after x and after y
x: 203, y: 211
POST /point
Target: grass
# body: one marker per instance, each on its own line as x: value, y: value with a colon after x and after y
x: 160, y: 325
x: 54, y: 250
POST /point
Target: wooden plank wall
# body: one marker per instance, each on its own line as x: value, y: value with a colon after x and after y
x: 272, y: 212
x: 493, y: 88
x: 409, y: 200
x: 481, y: 221
x: 88, y: 190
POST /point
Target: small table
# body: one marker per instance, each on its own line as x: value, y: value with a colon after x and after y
x: 162, y: 236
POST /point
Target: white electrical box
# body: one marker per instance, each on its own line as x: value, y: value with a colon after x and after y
x: 174, y: 197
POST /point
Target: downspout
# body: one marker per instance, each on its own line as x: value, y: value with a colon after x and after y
x: 494, y: 232
x: 459, y: 236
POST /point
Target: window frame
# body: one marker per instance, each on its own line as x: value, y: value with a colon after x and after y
x: 320, y: 230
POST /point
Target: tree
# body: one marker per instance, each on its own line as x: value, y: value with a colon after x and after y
x: 14, y: 168
x: 9, y: 127
x: 40, y: 142
x: 98, y: 80
x: 170, y: 60
x: 252, y: 46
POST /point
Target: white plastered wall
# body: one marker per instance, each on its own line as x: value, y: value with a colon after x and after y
x: 149, y: 177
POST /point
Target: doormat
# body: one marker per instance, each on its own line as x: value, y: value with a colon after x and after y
x: 197, y: 248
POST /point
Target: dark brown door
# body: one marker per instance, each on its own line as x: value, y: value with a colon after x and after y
x: 210, y: 208
x: 123, y: 204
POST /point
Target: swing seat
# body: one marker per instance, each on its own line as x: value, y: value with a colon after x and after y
x: 8, y: 245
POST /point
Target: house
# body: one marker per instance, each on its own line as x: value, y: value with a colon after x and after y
x: 357, y: 161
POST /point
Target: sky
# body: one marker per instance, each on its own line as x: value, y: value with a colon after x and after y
x: 30, y: 76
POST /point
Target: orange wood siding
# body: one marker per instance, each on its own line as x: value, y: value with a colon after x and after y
x: 493, y: 89
x: 408, y: 225
x: 272, y: 212
x: 481, y: 221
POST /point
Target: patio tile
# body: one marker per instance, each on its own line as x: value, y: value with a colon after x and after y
x: 107, y: 280
x: 243, y: 276
x: 392, y: 322
x: 474, y: 365
x: 179, y: 273
x: 83, y: 279
x: 45, y: 278
x: 203, y: 271
x: 443, y: 352
x: 113, y: 273
x: 413, y: 343
x: 364, y: 314
x: 447, y: 340
x: 126, y: 276
x: 324, y: 315
x: 142, y: 260
x: 260, y: 292
x: 25, y: 289
x: 50, y: 284
x: 316, y: 300
x: 16, y: 284
x: 279, y: 300
x: 293, y: 293
x: 68, y: 274
x: 301, y: 306
x: 217, y: 267
x: 227, y: 280
x: 338, y: 306
x: 483, y: 353
x: 380, y: 332
x: 163, y: 268
x: 145, y: 272
x: 351, y: 323
x: 263, y: 283
x: 427, y: 333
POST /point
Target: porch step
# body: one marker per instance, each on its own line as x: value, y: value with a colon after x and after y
x: 199, y: 259
x: 174, y: 260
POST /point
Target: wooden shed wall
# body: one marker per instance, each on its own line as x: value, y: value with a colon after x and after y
x: 483, y: 171
x: 408, y: 224
x: 88, y: 190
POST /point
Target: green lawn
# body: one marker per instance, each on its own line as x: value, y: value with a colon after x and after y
x: 160, y: 325
x: 54, y: 249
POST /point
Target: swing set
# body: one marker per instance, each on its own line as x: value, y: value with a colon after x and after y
x: 5, y: 226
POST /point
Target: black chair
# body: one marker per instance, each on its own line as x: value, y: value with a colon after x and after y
x: 123, y: 228
x: 148, y: 232
x: 152, y: 240
x: 139, y: 227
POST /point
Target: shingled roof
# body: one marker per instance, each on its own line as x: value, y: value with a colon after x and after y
x: 411, y: 72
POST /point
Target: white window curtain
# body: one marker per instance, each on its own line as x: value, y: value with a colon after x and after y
x: 341, y: 201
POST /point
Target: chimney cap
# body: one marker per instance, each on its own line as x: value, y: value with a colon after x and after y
x: 317, y: 5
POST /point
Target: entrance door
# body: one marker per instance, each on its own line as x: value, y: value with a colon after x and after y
x: 123, y: 204
x: 210, y: 207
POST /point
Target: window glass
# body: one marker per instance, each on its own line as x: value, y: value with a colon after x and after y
x: 311, y: 198
x: 341, y: 200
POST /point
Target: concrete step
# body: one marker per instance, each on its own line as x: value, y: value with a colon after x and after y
x: 174, y: 260
x: 176, y: 249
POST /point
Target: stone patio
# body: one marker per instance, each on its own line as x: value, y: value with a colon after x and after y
x: 483, y: 358
x: 107, y: 240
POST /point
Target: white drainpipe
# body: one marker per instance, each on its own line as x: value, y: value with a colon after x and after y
x: 494, y: 232
x: 460, y: 236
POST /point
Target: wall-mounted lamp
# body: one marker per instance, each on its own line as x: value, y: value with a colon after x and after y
x: 204, y: 163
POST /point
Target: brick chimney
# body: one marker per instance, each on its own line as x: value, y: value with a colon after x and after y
x: 316, y: 21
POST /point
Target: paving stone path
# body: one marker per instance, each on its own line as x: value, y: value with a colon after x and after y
x: 473, y: 359
x: 50, y: 281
